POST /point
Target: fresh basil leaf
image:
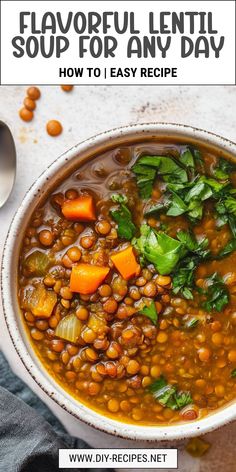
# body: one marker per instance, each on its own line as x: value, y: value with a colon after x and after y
x: 216, y: 293
x: 168, y: 396
x: 150, y: 311
x: 122, y: 216
x: 233, y: 374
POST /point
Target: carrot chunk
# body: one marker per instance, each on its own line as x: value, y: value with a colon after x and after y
x: 81, y: 209
x: 86, y: 278
x: 125, y: 262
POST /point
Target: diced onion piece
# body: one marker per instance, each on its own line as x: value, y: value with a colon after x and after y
x: 38, y: 300
x: 69, y: 328
x: 37, y: 263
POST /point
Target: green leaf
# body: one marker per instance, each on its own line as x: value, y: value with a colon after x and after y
x: 177, y: 206
x: 230, y: 205
x: 118, y: 198
x: 182, y: 399
x: 191, y: 323
x: 230, y: 247
x: 216, y: 293
x: 160, y: 249
x: 223, y: 170
x: 187, y: 158
x: 148, y: 167
x: 122, y: 216
x: 168, y: 396
x: 183, y: 280
x: 150, y: 311
x: 152, y: 210
x: 233, y: 374
x: 145, y: 178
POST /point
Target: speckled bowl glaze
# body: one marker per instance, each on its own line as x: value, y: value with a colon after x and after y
x: 59, y: 169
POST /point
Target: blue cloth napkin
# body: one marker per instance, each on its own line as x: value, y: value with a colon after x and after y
x: 30, y: 435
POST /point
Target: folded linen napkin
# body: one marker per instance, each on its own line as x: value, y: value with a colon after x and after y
x: 30, y: 435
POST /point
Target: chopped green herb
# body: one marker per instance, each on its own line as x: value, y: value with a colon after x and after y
x: 223, y: 169
x: 118, y: 198
x: 191, y: 323
x: 145, y: 178
x: 168, y: 396
x: 183, y: 279
x: 122, y: 216
x: 216, y: 293
x: 230, y: 247
x: 148, y: 167
x: 166, y: 252
x: 160, y: 249
x: 150, y: 311
x: 233, y: 374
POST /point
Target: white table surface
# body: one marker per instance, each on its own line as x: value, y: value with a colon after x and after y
x: 83, y: 113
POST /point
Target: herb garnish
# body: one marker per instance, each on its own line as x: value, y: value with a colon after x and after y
x: 150, y: 311
x: 191, y: 323
x: 233, y: 374
x: 168, y: 396
x: 223, y: 169
x: 122, y: 216
x: 216, y: 293
x: 159, y: 248
x: 147, y: 167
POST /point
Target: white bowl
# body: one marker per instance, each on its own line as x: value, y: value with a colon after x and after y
x: 60, y: 168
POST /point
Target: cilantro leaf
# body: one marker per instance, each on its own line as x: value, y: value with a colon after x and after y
x: 216, y: 293
x: 168, y: 396
x: 122, y: 216
x: 233, y: 374
x: 150, y: 311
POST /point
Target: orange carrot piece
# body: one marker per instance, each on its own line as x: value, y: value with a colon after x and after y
x: 81, y: 209
x: 125, y: 262
x: 86, y: 278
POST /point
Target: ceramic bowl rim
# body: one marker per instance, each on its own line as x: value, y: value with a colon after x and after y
x: 80, y: 411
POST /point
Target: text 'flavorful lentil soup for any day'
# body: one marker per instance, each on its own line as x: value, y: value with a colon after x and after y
x: 127, y: 283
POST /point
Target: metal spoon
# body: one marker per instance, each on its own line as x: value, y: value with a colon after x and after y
x: 7, y: 163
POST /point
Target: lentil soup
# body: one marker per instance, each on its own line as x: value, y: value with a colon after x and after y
x: 127, y: 283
